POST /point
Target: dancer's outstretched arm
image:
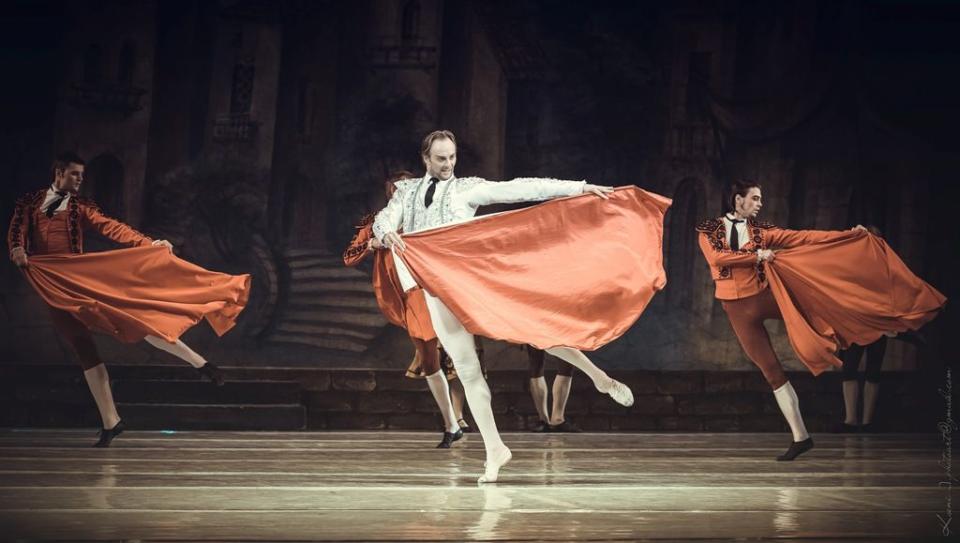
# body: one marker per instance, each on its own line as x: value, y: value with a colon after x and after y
x: 111, y: 228
x: 526, y: 189
x: 782, y: 238
x: 359, y: 246
x: 723, y: 257
x: 117, y: 231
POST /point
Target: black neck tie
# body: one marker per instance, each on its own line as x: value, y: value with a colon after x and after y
x: 56, y: 203
x: 734, y: 236
x: 428, y: 198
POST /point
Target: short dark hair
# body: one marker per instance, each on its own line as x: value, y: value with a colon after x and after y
x: 399, y: 175
x: 434, y: 136
x: 63, y: 160
x: 388, y: 183
x: 740, y: 188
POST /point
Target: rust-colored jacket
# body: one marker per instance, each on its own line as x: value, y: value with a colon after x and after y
x: 738, y: 274
x: 82, y: 213
x: 386, y: 284
x: 357, y: 250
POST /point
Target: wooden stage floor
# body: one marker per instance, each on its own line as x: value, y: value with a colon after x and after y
x: 393, y: 486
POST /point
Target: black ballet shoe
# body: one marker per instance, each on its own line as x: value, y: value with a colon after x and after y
x: 540, y: 427
x: 449, y: 438
x: 106, y: 436
x: 868, y: 428
x: 212, y: 372
x: 565, y: 427
x: 844, y: 428
x: 796, y: 449
x: 464, y: 427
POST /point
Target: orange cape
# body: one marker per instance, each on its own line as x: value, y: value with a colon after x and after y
x: 574, y: 272
x: 848, y: 290
x: 132, y: 293
x: 387, y: 288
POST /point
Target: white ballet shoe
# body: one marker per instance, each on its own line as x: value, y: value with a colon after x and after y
x: 620, y: 392
x: 493, y: 464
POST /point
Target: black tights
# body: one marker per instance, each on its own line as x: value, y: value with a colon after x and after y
x: 78, y: 336
x: 851, y: 360
x: 535, y: 357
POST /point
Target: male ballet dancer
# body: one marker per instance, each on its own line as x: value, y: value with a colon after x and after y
x: 52, y: 221
x: 440, y: 198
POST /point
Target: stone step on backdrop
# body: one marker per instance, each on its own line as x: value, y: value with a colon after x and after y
x: 327, y: 305
x: 328, y: 340
x: 346, y: 300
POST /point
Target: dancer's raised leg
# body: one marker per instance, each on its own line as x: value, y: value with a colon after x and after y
x: 618, y: 391
x: 180, y: 350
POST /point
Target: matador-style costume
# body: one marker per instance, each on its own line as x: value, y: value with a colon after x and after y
x: 126, y: 293
x: 831, y: 288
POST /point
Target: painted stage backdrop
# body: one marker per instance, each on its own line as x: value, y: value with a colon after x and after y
x: 254, y: 135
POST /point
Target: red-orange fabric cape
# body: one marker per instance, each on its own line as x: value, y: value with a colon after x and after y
x: 404, y: 310
x: 573, y: 272
x: 387, y: 288
x: 850, y: 289
x: 132, y: 293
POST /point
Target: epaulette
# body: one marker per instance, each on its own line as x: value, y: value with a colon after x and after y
x: 463, y: 184
x: 709, y: 225
x: 761, y: 224
x: 87, y: 201
x: 405, y: 183
x: 31, y: 197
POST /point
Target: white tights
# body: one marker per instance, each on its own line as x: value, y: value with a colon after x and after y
x: 178, y: 349
x: 580, y: 361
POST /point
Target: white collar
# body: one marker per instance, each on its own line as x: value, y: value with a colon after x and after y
x: 53, y: 190
x: 427, y: 177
